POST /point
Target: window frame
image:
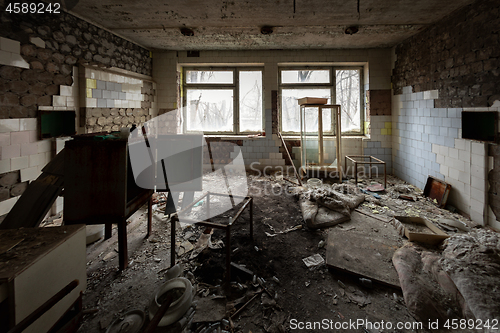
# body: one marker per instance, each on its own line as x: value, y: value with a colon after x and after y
x: 332, y: 86
x: 221, y: 86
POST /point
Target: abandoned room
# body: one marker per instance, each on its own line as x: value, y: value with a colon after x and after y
x: 249, y: 166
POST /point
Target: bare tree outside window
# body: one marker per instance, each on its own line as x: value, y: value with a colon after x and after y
x: 348, y: 96
x: 210, y: 110
x: 250, y: 104
x: 297, y: 84
x: 213, y: 97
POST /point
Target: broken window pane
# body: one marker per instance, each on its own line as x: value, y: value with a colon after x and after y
x: 219, y: 77
x: 209, y: 110
x: 250, y: 106
x: 290, y: 109
x: 305, y: 76
x: 348, y: 96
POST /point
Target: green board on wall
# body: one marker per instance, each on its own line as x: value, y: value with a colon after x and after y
x: 55, y: 124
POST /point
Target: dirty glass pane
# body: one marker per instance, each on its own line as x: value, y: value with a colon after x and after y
x: 305, y: 76
x: 290, y: 116
x: 209, y: 110
x: 207, y: 77
x: 348, y: 96
x: 250, y: 106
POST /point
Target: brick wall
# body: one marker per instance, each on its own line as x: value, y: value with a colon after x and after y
x: 459, y: 57
x: 39, y: 61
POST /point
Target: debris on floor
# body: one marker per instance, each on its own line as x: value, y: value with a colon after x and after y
x: 325, y: 207
x: 472, y: 261
x: 428, y: 292
x: 314, y: 260
x: 325, y: 252
x: 366, y: 250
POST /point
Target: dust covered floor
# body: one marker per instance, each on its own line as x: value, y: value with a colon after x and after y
x: 295, y: 296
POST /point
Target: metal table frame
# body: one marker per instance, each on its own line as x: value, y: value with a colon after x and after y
x: 355, y: 170
x: 247, y: 202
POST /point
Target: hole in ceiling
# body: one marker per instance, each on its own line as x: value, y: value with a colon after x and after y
x: 351, y: 30
x: 266, y: 30
x: 187, y: 32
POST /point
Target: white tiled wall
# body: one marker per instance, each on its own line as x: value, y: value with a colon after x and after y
x: 20, y: 148
x: 105, y: 89
x: 6, y: 205
x: 427, y: 141
x: 10, y: 53
x: 263, y: 151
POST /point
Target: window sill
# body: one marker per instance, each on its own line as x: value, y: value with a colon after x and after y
x: 233, y: 137
x: 285, y: 137
x: 327, y: 138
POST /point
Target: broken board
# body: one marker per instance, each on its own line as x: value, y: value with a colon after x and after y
x: 364, y: 247
x: 438, y: 190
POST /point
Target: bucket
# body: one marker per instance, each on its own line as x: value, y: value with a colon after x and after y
x: 314, y: 182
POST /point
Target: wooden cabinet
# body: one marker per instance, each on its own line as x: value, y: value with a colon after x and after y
x: 99, y: 187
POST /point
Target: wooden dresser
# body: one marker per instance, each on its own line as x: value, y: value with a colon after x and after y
x: 99, y: 187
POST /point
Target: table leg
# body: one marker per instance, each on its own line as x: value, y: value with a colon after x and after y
x: 122, y: 244
x: 228, y: 254
x: 251, y: 219
x: 385, y: 176
x: 150, y: 216
x: 173, y: 220
x: 107, y: 230
x: 355, y: 173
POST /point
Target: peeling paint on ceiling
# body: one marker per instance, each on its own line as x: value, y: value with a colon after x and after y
x: 235, y: 24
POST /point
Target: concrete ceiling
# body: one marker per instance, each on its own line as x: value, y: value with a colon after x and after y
x: 236, y: 24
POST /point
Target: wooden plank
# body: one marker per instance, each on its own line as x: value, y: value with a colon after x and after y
x: 34, y: 203
x: 372, y: 216
x: 56, y: 165
x: 438, y: 190
x: 290, y: 158
x: 363, y: 252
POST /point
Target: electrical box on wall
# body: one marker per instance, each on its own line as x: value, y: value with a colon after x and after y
x: 480, y: 125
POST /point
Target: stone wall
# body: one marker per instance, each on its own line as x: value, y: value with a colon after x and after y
x: 459, y: 57
x: 51, y: 46
x: 69, y: 39
x: 112, y: 119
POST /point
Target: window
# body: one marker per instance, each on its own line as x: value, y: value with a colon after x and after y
x: 225, y: 100
x: 339, y: 85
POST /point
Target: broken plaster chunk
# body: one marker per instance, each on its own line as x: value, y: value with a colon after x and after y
x: 314, y: 260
